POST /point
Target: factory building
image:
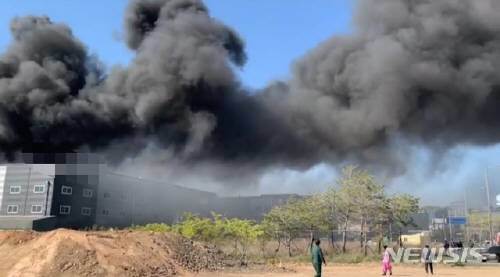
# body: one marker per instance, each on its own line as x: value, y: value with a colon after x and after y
x: 250, y: 207
x: 81, y: 192
x: 43, y: 197
x: 26, y: 196
x: 124, y: 200
x: 47, y: 196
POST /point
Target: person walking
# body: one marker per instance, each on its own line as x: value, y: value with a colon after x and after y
x: 427, y: 259
x: 446, y: 248
x: 386, y: 262
x: 471, y: 243
x: 317, y: 257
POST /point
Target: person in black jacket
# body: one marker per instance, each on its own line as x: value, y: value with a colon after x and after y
x: 446, y: 247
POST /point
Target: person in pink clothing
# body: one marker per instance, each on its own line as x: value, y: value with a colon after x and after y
x: 386, y: 262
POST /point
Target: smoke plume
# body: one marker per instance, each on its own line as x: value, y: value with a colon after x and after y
x: 425, y: 72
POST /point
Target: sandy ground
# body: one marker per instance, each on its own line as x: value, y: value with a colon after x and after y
x: 369, y: 270
x: 67, y: 253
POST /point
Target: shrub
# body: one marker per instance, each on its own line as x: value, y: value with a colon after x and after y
x: 153, y: 227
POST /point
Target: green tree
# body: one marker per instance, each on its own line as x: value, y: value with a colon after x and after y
x: 285, y: 223
x: 311, y: 212
x: 362, y: 196
x: 197, y: 228
x: 343, y: 210
x: 244, y: 233
x: 401, y: 208
x: 328, y: 208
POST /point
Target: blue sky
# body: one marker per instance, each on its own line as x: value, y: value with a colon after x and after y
x: 276, y: 34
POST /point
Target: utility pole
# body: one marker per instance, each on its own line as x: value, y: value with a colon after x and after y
x: 466, y: 238
x: 47, y: 199
x: 449, y: 226
x: 27, y: 191
x: 488, y: 200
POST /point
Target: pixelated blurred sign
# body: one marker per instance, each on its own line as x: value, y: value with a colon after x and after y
x: 439, y: 220
x: 457, y: 220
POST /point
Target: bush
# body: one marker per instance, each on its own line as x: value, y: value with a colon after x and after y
x: 198, y: 228
x: 153, y: 227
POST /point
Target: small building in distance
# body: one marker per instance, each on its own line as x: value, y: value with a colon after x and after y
x: 416, y: 240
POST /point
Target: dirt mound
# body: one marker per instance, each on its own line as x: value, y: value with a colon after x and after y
x: 107, y: 253
x: 196, y: 257
x: 71, y: 258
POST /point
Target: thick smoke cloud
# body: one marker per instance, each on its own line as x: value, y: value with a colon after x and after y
x: 424, y: 70
x: 43, y: 105
x: 412, y: 72
x: 179, y: 92
x: 185, y: 91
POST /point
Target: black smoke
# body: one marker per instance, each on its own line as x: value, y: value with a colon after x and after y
x: 415, y: 71
x: 426, y: 71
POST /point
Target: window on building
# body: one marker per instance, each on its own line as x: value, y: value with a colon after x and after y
x: 36, y: 209
x: 39, y: 189
x: 87, y: 193
x: 15, y: 189
x: 64, y: 209
x: 12, y: 209
x: 107, y: 195
x: 86, y: 211
x: 105, y: 212
x: 66, y: 190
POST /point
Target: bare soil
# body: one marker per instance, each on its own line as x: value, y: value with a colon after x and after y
x: 64, y: 253
x: 67, y: 253
x: 363, y: 270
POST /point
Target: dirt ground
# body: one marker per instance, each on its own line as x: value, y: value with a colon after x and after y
x: 67, y: 253
x: 366, y: 270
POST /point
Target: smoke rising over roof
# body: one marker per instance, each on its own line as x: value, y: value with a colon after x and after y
x: 426, y: 71
x: 422, y: 72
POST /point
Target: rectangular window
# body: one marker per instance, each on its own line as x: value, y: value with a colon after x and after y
x: 15, y: 189
x: 86, y: 211
x: 105, y: 212
x: 66, y: 190
x: 63, y: 209
x: 87, y: 193
x: 39, y: 189
x: 107, y: 195
x: 36, y: 209
x: 12, y: 209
